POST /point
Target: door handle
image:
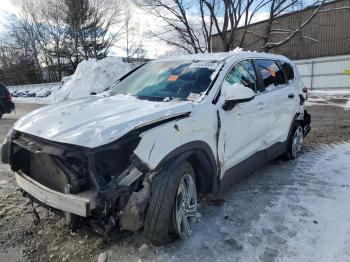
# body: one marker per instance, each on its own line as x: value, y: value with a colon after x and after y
x: 291, y: 95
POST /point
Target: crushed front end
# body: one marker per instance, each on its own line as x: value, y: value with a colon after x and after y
x: 91, y: 187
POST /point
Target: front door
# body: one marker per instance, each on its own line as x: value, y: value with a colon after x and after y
x: 243, y: 128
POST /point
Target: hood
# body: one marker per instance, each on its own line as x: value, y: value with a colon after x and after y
x: 95, y: 121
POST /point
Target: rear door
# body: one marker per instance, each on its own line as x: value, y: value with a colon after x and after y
x: 280, y: 100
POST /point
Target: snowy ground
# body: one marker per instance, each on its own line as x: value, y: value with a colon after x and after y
x: 330, y: 97
x: 286, y: 211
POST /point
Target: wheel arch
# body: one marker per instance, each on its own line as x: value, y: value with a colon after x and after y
x: 296, y: 119
x: 201, y: 157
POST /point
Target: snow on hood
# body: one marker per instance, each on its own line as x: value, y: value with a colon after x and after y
x: 95, y: 121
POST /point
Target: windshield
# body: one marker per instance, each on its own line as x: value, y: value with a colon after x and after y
x: 166, y: 80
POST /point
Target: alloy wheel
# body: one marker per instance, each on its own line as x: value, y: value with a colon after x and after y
x: 297, y: 141
x: 185, y: 206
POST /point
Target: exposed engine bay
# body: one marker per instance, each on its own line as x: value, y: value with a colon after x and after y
x: 112, y: 179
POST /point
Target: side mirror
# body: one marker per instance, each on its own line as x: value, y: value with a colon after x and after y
x: 235, y: 94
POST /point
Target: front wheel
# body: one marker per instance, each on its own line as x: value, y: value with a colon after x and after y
x: 295, y: 142
x: 172, y: 206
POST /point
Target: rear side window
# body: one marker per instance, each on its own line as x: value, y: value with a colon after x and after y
x: 271, y: 73
x: 288, y: 70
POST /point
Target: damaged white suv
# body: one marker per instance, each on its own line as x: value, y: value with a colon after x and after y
x: 169, y: 130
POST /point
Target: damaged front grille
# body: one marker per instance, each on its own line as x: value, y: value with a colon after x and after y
x: 111, y: 171
x: 70, y: 168
x: 55, y: 166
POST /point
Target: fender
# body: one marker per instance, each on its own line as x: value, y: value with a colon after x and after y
x: 297, y: 117
x: 202, y: 159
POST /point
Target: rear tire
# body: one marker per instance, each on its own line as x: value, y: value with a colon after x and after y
x: 173, y: 203
x: 294, y: 142
x: 1, y: 113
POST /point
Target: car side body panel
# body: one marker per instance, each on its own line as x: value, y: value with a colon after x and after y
x: 157, y: 143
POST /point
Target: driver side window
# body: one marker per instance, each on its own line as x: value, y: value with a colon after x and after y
x: 243, y: 73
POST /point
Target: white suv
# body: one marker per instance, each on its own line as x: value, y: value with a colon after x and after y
x: 169, y: 129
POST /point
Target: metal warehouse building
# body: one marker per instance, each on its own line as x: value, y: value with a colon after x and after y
x: 323, y: 64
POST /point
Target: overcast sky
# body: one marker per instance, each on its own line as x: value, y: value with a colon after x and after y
x: 153, y: 47
x: 5, y: 7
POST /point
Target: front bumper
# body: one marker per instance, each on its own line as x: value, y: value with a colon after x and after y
x: 80, y: 204
x: 12, y: 107
x: 306, y: 123
x: 8, y: 107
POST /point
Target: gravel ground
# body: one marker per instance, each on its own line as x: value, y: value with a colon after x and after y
x: 237, y: 212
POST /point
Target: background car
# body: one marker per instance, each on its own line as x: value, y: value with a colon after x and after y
x: 6, y: 104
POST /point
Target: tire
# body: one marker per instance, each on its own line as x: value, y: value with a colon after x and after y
x: 294, y: 142
x: 1, y: 113
x: 165, y: 204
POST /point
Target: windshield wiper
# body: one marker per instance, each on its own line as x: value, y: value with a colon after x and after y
x: 160, y: 98
x: 151, y: 98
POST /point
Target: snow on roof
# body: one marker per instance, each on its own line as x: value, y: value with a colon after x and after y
x: 220, y: 56
x: 205, y: 56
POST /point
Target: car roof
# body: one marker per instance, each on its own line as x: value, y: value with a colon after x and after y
x: 236, y: 54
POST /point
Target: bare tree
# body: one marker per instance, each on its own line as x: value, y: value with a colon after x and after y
x: 190, y: 24
x: 16, y: 64
x: 103, y: 27
x: 235, y: 13
x: 52, y: 15
x: 58, y: 32
x: 183, y: 23
x: 133, y: 37
x: 275, y: 34
x: 23, y: 31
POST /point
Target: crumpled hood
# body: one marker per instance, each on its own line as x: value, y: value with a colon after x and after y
x: 95, y: 121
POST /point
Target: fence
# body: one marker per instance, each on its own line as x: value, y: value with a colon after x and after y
x: 34, y: 86
x: 325, y: 72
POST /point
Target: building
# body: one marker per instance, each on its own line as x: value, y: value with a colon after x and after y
x: 324, y: 63
x: 330, y: 29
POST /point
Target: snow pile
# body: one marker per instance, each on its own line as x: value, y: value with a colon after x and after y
x: 91, y: 76
x: 347, y: 105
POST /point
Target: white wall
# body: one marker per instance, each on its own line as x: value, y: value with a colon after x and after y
x: 325, y: 72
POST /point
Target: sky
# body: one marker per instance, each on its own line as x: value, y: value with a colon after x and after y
x: 145, y: 22
x: 6, y: 7
x: 154, y: 48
